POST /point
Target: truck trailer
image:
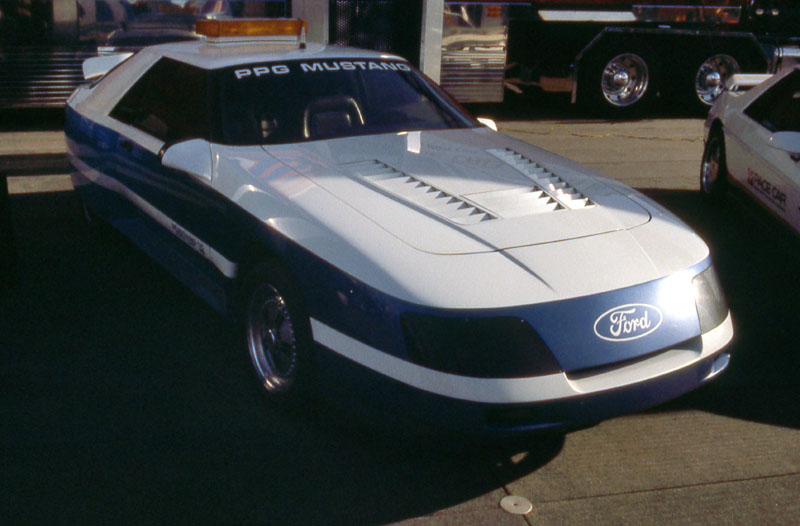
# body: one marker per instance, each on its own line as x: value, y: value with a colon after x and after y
x: 622, y: 55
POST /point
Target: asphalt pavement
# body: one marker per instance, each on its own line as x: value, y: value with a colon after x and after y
x: 125, y: 399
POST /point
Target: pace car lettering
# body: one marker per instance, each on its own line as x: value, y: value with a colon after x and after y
x: 767, y: 189
x: 334, y: 65
x: 627, y: 322
x: 259, y: 71
x: 348, y: 65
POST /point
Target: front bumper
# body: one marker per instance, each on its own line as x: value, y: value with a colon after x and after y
x: 519, y: 405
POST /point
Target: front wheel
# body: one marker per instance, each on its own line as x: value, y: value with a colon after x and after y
x: 713, y: 169
x: 277, y: 334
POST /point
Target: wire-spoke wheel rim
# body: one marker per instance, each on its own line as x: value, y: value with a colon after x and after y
x: 271, y: 339
x: 624, y: 80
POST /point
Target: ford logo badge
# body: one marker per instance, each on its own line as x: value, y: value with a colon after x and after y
x: 627, y: 322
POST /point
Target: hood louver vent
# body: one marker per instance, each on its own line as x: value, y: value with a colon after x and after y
x: 547, y: 181
x: 420, y: 193
x: 517, y: 202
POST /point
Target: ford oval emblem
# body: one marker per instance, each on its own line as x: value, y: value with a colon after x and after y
x: 627, y: 322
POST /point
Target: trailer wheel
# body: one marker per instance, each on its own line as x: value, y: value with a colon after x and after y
x: 619, y: 82
x: 711, y: 76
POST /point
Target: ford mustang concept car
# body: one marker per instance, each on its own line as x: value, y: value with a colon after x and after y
x: 365, y: 231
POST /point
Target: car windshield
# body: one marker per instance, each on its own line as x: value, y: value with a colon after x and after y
x: 778, y: 109
x: 293, y: 101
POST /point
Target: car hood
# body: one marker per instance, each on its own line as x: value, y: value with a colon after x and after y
x: 464, y: 191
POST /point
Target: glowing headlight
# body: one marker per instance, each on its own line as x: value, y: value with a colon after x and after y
x: 709, y: 299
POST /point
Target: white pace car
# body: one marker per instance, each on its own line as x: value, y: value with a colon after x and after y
x: 753, y: 141
x: 367, y: 232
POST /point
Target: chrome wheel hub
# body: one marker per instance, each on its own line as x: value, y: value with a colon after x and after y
x: 621, y: 79
x: 712, y: 75
x: 624, y: 80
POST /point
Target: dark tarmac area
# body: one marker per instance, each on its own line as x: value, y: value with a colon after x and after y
x: 125, y: 399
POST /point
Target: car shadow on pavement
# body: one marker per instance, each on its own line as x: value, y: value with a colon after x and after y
x: 757, y: 260
x: 126, y: 398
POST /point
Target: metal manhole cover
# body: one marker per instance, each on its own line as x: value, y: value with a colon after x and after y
x: 516, y: 505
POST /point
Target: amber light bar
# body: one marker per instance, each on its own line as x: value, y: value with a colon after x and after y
x: 250, y: 27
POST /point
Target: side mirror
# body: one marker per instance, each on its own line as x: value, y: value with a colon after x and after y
x: 787, y: 141
x: 489, y: 123
x: 192, y: 156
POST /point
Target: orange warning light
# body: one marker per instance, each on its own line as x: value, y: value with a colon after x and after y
x: 250, y: 27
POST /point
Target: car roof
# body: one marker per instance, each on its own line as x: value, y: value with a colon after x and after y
x: 215, y: 55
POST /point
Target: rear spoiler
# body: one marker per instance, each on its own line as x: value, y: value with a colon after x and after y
x: 96, y: 67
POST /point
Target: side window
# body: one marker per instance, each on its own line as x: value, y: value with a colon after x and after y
x: 169, y: 102
x: 779, y: 108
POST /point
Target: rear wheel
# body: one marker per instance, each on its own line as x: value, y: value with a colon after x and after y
x: 713, y: 169
x: 277, y: 334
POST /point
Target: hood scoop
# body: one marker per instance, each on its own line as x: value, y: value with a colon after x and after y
x: 418, y: 192
x: 547, y: 193
x: 461, y: 193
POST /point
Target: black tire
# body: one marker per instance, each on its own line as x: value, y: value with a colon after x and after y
x: 714, y: 168
x: 277, y: 334
x: 618, y: 81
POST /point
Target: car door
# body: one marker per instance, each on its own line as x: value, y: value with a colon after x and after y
x: 769, y: 173
x: 181, y: 220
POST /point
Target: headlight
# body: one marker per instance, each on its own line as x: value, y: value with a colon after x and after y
x: 499, y: 347
x: 709, y: 299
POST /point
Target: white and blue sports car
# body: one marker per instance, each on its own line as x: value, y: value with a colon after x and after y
x: 366, y: 231
x: 753, y: 142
